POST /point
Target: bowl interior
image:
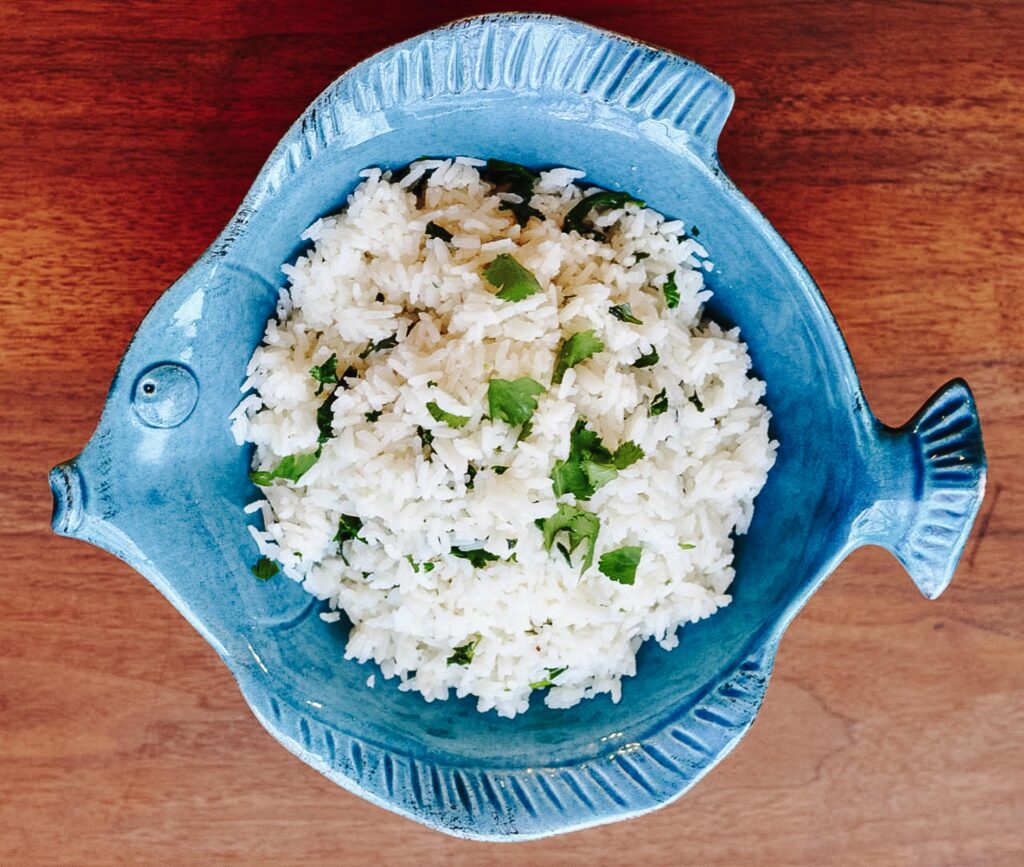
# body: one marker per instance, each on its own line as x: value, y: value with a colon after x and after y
x: 791, y: 339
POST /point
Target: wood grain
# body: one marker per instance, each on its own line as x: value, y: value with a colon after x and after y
x: 884, y: 140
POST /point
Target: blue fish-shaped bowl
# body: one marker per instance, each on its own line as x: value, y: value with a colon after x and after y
x: 162, y: 485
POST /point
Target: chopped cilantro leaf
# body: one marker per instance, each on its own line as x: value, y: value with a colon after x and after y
x: 426, y: 437
x: 416, y: 567
x: 500, y: 471
x: 565, y: 553
x: 696, y: 401
x: 325, y: 418
x: 513, y: 401
x: 478, y: 557
x: 325, y: 373
x: 348, y: 529
x: 387, y: 343
x: 438, y: 414
x: 648, y: 359
x: 373, y: 415
x: 624, y: 313
x: 518, y: 180
x: 471, y: 472
x: 463, y: 655
x: 598, y: 475
x: 577, y: 348
x: 660, y: 403
x: 639, y: 257
x: 626, y: 455
x: 550, y: 679
x: 590, y: 464
x: 431, y: 383
x: 671, y: 290
x: 694, y: 231
x: 581, y: 526
x: 687, y: 546
x: 265, y: 569
x: 513, y: 281
x: 620, y: 564
x: 435, y: 231
x: 522, y: 211
x: 292, y: 468
x: 603, y: 200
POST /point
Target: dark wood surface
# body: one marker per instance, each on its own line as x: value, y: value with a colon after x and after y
x: 884, y: 140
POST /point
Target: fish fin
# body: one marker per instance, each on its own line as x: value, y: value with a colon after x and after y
x: 938, y: 484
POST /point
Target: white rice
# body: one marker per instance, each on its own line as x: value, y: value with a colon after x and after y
x: 533, y: 614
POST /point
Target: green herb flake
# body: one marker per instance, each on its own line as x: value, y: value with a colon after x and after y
x: 639, y: 257
x: 426, y: 437
x: 478, y: 557
x: 626, y: 455
x: 265, y: 568
x: 660, y: 403
x: 590, y: 464
x: 671, y: 290
x: 624, y: 313
x: 325, y: 418
x: 687, y: 546
x: 620, y: 564
x: 518, y: 180
x: 413, y: 563
x: 577, y: 348
x: 348, y: 529
x: 499, y: 471
x: 325, y: 373
x: 373, y: 415
x: 696, y: 401
x: 463, y: 655
x: 438, y: 414
x: 603, y: 200
x: 581, y: 526
x: 648, y: 359
x: 387, y: 343
x: 694, y: 231
x: 512, y: 280
x: 431, y: 383
x: 435, y: 231
x: 565, y: 553
x: 513, y: 401
x: 550, y: 679
x: 292, y: 468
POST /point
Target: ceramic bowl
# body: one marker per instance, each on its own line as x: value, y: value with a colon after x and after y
x: 162, y: 485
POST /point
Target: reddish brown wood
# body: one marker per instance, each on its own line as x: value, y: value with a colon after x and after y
x: 882, y: 139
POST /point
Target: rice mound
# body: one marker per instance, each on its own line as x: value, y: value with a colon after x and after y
x: 530, y: 620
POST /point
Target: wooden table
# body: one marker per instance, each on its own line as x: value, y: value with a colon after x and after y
x: 884, y: 140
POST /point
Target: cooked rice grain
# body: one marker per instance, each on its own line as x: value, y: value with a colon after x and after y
x: 372, y: 274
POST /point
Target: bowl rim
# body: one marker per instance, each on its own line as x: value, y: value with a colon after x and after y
x: 513, y: 804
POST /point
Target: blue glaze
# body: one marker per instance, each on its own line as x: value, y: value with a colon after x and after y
x: 162, y: 485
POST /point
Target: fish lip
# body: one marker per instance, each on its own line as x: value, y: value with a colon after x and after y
x: 68, y: 492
